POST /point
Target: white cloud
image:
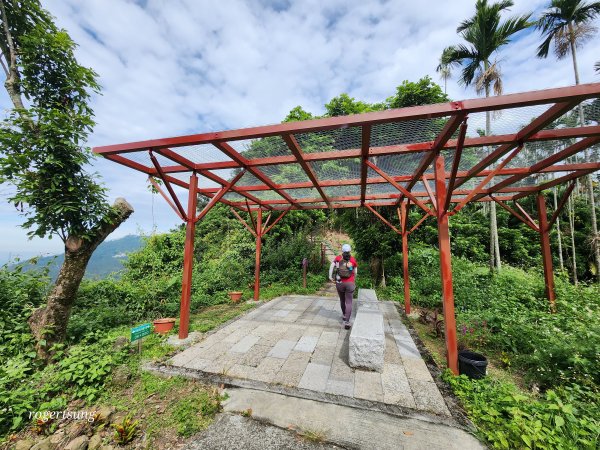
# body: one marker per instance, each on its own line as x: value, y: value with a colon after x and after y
x: 185, y: 66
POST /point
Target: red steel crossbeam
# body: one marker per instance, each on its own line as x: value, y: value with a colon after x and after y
x: 526, y: 132
x: 404, y: 191
x: 566, y: 94
x: 449, y: 128
x: 460, y: 143
x: 561, y: 204
x: 299, y: 154
x: 266, y: 224
x: 281, y: 216
x: 167, y: 199
x: 527, y: 216
x: 236, y: 214
x: 557, y: 181
x: 383, y: 219
x: 557, y: 157
x: 364, y: 156
x: 233, y: 154
x: 418, y: 224
x: 213, y: 201
x: 404, y: 178
x: 530, y: 223
x: 168, y: 186
x: 480, y: 187
x: 186, y: 163
x: 429, y: 192
x: 544, y: 230
x: 479, y: 141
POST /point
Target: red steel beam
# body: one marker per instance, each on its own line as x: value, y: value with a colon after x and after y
x: 399, y: 187
x: 299, y: 155
x: 526, y: 132
x: 167, y: 199
x: 233, y: 154
x: 404, y: 178
x: 546, y: 252
x: 460, y: 143
x: 383, y: 219
x: 557, y: 181
x: 446, y: 266
x: 451, y: 126
x: 480, y: 187
x: 530, y: 223
x: 557, y: 157
x: 566, y: 94
x: 561, y: 204
x: 421, y: 220
x: 170, y: 188
x: 213, y: 201
x: 235, y: 213
x: 527, y: 216
x: 188, y: 259
x: 479, y: 141
x: 364, y: 155
x: 429, y: 193
x: 277, y: 220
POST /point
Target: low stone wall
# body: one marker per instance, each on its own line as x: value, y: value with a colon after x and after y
x: 367, y: 338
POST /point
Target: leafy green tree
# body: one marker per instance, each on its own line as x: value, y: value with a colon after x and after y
x: 43, y: 155
x: 568, y: 23
x: 421, y: 92
x: 485, y: 33
x: 344, y: 105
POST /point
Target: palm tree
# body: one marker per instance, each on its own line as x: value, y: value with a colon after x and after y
x: 568, y: 23
x: 445, y: 72
x: 485, y: 34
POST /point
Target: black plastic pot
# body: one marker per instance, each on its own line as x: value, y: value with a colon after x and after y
x: 471, y: 364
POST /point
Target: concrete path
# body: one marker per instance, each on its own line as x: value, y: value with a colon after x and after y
x: 298, y: 344
x: 232, y: 431
x: 346, y: 426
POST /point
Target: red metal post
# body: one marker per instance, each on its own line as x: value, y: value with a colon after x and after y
x: 446, y: 266
x: 188, y: 259
x: 403, y: 223
x: 546, y: 253
x: 259, y: 235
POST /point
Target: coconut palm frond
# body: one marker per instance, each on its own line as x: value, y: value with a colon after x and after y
x: 597, y: 67
x: 562, y: 18
x: 490, y: 77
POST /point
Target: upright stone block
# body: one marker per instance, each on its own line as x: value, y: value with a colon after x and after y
x: 367, y: 338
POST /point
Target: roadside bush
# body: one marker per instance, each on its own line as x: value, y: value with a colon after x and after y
x: 565, y: 418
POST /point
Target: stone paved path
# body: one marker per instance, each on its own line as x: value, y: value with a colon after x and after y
x: 299, y: 342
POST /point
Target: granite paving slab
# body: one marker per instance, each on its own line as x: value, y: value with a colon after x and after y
x: 299, y: 342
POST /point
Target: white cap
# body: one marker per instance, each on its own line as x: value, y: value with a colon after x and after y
x: 346, y: 248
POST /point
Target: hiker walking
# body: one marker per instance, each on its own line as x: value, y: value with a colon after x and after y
x: 345, y: 274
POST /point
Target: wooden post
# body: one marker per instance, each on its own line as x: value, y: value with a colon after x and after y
x: 259, y: 234
x: 446, y: 265
x: 304, y: 267
x: 188, y: 258
x: 546, y: 252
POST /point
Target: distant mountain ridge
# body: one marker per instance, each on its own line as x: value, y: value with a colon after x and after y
x: 108, y: 258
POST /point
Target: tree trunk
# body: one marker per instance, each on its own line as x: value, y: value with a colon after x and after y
x: 590, y: 184
x: 49, y: 323
x: 495, y: 262
x: 560, y: 255
x: 571, y: 209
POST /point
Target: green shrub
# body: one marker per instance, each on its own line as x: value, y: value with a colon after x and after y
x: 506, y: 418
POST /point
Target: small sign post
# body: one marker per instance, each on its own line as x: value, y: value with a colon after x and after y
x: 137, y: 333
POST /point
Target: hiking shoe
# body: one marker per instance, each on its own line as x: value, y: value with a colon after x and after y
x: 347, y: 325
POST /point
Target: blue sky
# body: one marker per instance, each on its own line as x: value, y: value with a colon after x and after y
x: 187, y: 66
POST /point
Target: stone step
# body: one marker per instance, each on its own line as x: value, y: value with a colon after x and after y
x: 367, y: 338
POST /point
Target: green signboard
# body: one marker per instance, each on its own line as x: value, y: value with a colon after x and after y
x: 141, y: 331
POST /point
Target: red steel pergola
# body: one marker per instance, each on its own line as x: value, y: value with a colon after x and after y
x: 433, y: 157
